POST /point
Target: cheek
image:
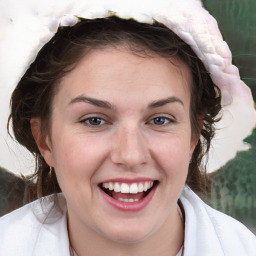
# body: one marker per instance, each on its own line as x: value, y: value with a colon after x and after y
x: 77, y: 155
x: 173, y: 155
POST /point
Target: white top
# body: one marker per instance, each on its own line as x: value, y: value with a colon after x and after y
x: 180, y: 253
x: 40, y: 229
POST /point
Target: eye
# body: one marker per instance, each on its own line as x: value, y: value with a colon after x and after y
x: 94, y: 121
x: 161, y: 120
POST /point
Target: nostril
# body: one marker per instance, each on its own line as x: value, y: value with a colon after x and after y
x: 130, y: 159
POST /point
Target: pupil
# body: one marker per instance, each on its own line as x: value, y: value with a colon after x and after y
x: 159, y: 120
x: 95, y: 121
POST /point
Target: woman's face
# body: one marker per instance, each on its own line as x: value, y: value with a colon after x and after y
x: 121, y: 122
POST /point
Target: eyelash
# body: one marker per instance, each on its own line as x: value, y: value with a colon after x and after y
x: 167, y: 120
x: 88, y: 121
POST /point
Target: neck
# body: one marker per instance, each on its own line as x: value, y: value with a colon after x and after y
x: 169, y: 239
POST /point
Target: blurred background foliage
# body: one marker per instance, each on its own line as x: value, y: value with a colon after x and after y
x: 12, y: 190
x: 233, y: 187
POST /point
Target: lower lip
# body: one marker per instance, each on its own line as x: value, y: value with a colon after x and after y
x: 130, y: 206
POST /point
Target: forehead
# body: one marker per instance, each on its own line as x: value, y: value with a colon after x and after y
x: 119, y: 72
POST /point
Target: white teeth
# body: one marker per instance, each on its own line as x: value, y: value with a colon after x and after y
x: 105, y: 185
x: 134, y: 188
x: 125, y: 188
x: 110, y: 186
x: 141, y: 187
x: 128, y: 200
x: 146, y: 186
x: 117, y: 187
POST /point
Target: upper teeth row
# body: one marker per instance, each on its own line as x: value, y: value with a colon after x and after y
x: 133, y: 188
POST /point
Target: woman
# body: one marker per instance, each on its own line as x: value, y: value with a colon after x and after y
x: 119, y: 114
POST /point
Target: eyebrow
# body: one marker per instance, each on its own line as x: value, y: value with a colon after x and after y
x: 107, y: 105
x: 162, y: 102
x: 93, y: 101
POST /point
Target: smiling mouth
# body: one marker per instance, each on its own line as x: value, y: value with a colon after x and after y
x: 128, y: 193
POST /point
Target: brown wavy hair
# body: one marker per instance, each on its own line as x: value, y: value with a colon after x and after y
x: 34, y: 93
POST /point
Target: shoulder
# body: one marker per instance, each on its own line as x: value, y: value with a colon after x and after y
x: 26, y: 229
x: 214, y: 230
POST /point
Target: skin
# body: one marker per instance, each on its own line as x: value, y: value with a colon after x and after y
x: 128, y: 142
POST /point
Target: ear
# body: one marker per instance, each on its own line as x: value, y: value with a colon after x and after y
x: 43, y: 142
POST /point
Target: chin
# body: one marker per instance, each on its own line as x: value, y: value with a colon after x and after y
x: 129, y: 238
x: 131, y: 235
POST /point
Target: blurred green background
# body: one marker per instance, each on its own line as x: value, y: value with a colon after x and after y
x: 233, y: 187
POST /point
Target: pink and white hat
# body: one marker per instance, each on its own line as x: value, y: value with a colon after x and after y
x: 187, y: 18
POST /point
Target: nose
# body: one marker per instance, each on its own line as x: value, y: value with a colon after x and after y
x: 130, y: 148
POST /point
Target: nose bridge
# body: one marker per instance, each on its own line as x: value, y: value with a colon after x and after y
x: 131, y: 147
